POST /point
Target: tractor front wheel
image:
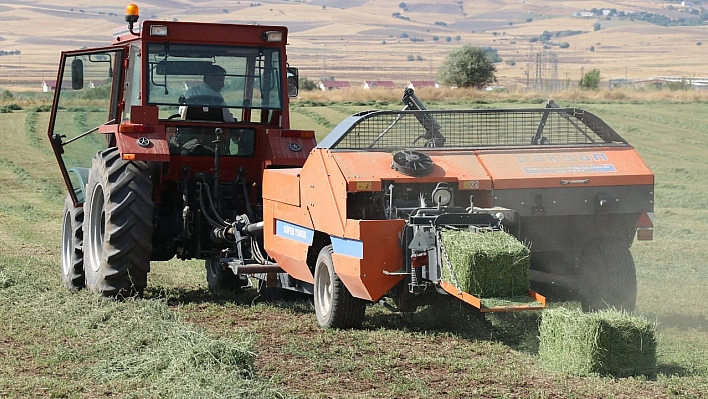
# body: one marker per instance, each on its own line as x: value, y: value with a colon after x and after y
x: 609, y: 276
x: 117, y: 225
x: 223, y: 279
x: 72, y: 237
x: 335, y: 307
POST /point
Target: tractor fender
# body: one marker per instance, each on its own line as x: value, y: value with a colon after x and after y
x: 82, y: 177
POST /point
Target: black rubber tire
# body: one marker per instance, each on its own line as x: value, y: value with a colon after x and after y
x: 220, y: 279
x: 335, y: 307
x: 118, y: 225
x: 72, y: 237
x: 609, y: 276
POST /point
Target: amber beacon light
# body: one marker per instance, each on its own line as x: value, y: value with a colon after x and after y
x: 131, y: 16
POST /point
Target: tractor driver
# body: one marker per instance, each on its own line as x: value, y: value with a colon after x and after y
x: 211, y: 86
x: 209, y: 92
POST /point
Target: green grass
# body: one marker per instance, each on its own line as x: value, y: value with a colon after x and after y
x: 60, y: 344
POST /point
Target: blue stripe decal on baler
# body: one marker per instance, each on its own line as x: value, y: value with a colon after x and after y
x: 348, y: 247
x: 294, y: 232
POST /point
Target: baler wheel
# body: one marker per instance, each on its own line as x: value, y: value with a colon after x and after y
x: 335, y: 307
x: 609, y: 276
x: 118, y: 225
x: 72, y: 237
x: 220, y: 279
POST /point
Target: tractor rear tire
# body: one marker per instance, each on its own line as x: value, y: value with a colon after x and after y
x: 118, y: 225
x: 220, y: 279
x: 72, y: 237
x: 335, y: 307
x: 609, y: 276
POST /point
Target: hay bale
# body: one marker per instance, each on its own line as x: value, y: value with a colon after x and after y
x: 609, y: 342
x: 487, y: 264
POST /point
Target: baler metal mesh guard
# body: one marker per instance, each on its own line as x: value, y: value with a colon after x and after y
x: 471, y: 128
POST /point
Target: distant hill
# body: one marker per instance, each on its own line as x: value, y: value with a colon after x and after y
x: 540, y: 43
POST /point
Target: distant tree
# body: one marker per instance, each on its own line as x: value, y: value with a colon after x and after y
x: 510, y: 62
x: 597, y: 26
x: 684, y: 84
x: 420, y: 58
x: 458, y: 37
x: 698, y: 43
x: 529, y: 19
x: 448, y: 39
x: 435, y: 38
x: 306, y: 84
x: 411, y: 58
x: 592, y: 48
x: 564, y: 45
x: 591, y: 80
x: 468, y: 66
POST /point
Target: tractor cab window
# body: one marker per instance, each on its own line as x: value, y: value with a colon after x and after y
x: 215, y: 83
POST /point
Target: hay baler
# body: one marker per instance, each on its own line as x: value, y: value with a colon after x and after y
x: 362, y: 219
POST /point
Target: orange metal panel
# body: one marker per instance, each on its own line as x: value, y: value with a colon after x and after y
x: 565, y: 167
x: 282, y: 185
x: 291, y: 255
x: 474, y: 301
x: 448, y: 166
x: 364, y: 276
x: 324, y: 192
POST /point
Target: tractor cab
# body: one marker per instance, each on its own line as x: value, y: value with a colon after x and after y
x: 178, y: 120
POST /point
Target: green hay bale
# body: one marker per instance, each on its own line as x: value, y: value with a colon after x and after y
x: 609, y: 342
x: 488, y: 264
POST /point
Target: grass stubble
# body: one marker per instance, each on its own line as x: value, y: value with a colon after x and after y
x: 181, y: 340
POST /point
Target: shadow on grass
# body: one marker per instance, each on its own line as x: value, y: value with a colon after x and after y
x: 680, y: 321
x: 674, y: 370
x: 449, y: 316
x: 174, y: 296
x: 441, y: 315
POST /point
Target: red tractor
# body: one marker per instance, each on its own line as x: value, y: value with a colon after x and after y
x: 162, y: 139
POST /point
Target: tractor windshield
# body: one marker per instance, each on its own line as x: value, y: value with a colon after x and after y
x: 213, y: 76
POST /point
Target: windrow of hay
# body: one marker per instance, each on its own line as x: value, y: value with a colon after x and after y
x: 487, y: 264
x: 609, y: 342
x: 174, y: 359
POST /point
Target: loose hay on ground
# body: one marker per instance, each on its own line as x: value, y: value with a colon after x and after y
x: 609, y: 342
x: 489, y: 264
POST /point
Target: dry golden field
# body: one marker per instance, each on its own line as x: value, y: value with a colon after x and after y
x: 361, y: 40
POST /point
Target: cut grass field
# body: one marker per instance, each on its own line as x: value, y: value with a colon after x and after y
x: 181, y: 341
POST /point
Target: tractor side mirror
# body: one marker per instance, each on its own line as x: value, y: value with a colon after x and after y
x: 293, y: 83
x: 77, y: 74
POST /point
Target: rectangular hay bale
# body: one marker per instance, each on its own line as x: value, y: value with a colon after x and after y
x: 609, y: 342
x: 486, y: 264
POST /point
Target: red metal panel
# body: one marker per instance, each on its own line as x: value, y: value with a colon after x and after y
x: 290, y: 151
x: 565, y: 167
x: 156, y: 150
